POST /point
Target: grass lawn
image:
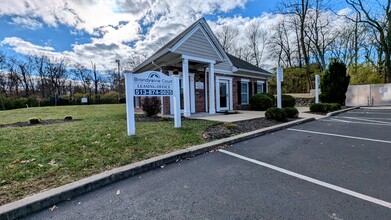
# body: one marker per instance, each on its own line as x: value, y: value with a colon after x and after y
x: 41, y: 157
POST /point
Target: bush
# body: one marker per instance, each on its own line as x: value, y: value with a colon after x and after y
x: 334, y: 83
x: 291, y: 112
x: 151, y: 106
x: 110, y: 98
x: 325, y: 107
x: 272, y: 97
x: 319, y: 107
x: 333, y: 107
x: 277, y: 114
x: 287, y: 101
x: 260, y: 102
x: 68, y: 118
x: 34, y: 121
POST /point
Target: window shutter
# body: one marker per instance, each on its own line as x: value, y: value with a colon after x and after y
x: 255, y: 88
x: 239, y: 92
x: 250, y: 89
x: 264, y: 87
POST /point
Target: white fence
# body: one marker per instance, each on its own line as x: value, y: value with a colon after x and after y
x: 368, y: 95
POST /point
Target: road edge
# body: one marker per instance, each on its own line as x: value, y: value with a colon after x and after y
x: 54, y: 196
x: 341, y: 111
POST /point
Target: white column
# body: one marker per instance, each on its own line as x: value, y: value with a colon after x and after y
x: 212, y: 108
x: 206, y: 91
x: 177, y: 103
x: 129, y: 104
x: 186, y: 87
x: 192, y: 95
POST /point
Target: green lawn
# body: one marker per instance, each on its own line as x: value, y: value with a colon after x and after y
x: 40, y: 157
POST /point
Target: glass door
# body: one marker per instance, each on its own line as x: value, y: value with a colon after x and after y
x: 223, y: 97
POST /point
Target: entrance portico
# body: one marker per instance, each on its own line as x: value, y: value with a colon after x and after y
x: 210, y: 79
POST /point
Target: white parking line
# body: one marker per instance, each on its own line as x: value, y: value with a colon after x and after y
x: 352, y: 122
x: 375, y: 113
x: 368, y: 120
x: 312, y: 180
x: 339, y: 135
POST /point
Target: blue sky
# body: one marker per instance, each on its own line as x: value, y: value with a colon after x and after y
x: 104, y: 30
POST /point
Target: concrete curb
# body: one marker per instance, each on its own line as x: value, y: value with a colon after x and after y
x: 54, y: 196
x: 341, y: 111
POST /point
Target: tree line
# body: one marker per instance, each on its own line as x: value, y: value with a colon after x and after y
x: 309, y: 33
x: 41, y: 76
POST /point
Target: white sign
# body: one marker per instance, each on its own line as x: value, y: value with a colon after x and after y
x: 199, y: 85
x: 84, y: 100
x: 383, y: 89
x: 153, y: 84
x: 317, y: 83
x: 280, y: 74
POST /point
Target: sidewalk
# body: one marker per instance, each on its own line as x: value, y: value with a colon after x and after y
x: 247, y: 115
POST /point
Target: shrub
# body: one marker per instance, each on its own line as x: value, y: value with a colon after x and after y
x: 68, y: 118
x: 260, y: 102
x: 287, y: 101
x: 334, y: 83
x: 319, y: 107
x: 291, y: 112
x: 34, y: 121
x: 110, y: 98
x: 325, y: 107
x: 151, y: 106
x: 272, y: 97
x: 277, y: 114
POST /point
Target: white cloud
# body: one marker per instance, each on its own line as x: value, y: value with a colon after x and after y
x: 24, y: 47
x: 26, y: 22
x: 112, y: 24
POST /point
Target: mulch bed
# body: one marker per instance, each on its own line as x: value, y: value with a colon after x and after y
x: 43, y: 122
x: 229, y: 129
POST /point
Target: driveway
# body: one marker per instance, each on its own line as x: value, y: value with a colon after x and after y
x: 333, y: 168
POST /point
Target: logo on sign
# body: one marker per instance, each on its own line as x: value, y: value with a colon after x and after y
x: 154, y: 75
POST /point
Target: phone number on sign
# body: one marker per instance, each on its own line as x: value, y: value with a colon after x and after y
x: 153, y: 92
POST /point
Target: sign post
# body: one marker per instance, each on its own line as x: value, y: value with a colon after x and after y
x: 317, y: 82
x: 150, y: 83
x: 280, y: 78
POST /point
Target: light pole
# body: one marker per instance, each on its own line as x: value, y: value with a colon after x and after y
x: 119, y: 78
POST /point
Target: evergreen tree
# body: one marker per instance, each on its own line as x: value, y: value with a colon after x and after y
x: 334, y: 83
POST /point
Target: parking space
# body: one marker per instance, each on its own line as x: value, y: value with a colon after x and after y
x: 334, y: 168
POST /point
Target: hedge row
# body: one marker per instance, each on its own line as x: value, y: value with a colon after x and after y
x: 325, y: 107
x: 7, y: 103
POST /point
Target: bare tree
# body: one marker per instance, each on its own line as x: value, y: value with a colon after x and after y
x: 256, y: 39
x: 280, y: 44
x: 319, y: 32
x: 299, y: 10
x: 82, y: 74
x: 227, y: 35
x: 380, y: 21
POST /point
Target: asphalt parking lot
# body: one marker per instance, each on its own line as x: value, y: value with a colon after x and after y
x: 334, y: 168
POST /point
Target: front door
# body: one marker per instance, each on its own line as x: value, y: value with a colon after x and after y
x: 223, y: 98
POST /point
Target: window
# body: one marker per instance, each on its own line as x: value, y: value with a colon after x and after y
x: 260, y: 85
x: 244, y: 92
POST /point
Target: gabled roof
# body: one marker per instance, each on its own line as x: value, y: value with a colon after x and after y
x: 244, y: 65
x: 167, y: 47
x: 241, y: 65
